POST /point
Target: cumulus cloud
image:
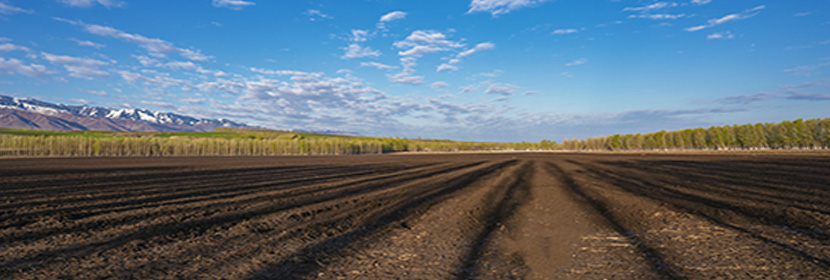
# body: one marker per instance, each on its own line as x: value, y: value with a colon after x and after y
x: 577, y: 62
x: 422, y: 42
x: 88, y: 43
x: 720, y: 35
x: 406, y: 78
x: 232, y: 4
x: 314, y: 15
x: 156, y: 47
x: 13, y: 66
x: 727, y: 18
x: 8, y: 47
x: 446, y: 67
x: 502, y: 89
x: 359, y: 35
x: 500, y: 7
x: 564, y: 31
x: 701, y: 2
x: 78, y: 67
x: 439, y: 85
x: 7, y: 9
x: 90, y: 3
x: 356, y: 51
x: 379, y: 66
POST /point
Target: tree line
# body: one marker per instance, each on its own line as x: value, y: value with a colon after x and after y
x: 798, y: 134
x: 32, y: 143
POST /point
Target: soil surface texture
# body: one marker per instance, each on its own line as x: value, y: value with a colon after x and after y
x: 440, y: 216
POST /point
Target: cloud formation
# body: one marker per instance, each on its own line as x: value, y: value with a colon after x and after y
x: 720, y: 35
x: 314, y: 15
x: 356, y: 51
x: 564, y: 31
x: 13, y: 66
x: 577, y: 62
x: 396, y: 15
x: 379, y: 66
x: 7, y: 9
x: 500, y: 7
x: 156, y: 47
x: 78, y: 67
x: 727, y: 18
x: 232, y: 4
x: 90, y: 3
x: 88, y: 43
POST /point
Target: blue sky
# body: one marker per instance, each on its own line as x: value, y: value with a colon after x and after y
x: 487, y: 70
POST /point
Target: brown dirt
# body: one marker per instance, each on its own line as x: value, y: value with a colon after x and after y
x: 470, y: 216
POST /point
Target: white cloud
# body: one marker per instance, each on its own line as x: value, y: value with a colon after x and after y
x: 314, y: 15
x: 232, y: 4
x: 88, y: 43
x: 720, y: 35
x: 701, y: 2
x: 803, y: 14
x: 90, y: 3
x: 477, y: 48
x: 730, y: 17
x: 493, y: 74
x: 8, y: 47
x: 439, y: 85
x: 577, y: 62
x: 658, y: 16
x: 157, y: 47
x: 379, y: 66
x: 78, y: 67
x: 446, y: 67
x: 655, y: 6
x: 396, y: 15
x: 359, y: 35
x: 356, y: 51
x: 14, y: 66
x: 503, y: 89
x: 564, y: 31
x: 406, y: 78
x: 422, y: 42
x: 500, y: 7
x: 95, y: 92
x: 7, y: 9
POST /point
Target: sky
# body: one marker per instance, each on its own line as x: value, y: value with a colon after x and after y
x: 484, y: 70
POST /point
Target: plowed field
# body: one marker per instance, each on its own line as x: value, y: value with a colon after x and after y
x: 465, y: 216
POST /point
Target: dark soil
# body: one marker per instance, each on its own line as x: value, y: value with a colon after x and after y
x: 467, y: 216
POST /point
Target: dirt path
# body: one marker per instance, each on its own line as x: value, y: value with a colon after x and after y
x: 471, y: 216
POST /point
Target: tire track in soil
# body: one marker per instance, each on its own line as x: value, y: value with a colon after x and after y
x: 197, y: 225
x: 209, y: 190
x: 624, y: 234
x: 501, y: 204
x: 422, y: 247
x: 694, y: 242
x: 398, y: 216
x: 522, y: 216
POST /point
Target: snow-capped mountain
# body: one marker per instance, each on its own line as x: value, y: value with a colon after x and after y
x: 36, y: 114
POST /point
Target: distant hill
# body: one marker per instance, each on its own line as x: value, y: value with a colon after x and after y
x: 35, y: 114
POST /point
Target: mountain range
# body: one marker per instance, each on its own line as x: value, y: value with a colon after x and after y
x: 35, y: 114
